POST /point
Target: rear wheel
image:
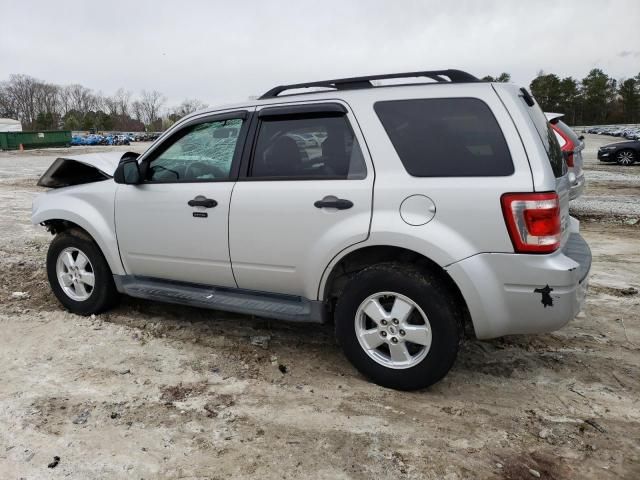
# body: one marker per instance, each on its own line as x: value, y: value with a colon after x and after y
x: 398, y: 326
x: 626, y: 157
x: 79, y: 275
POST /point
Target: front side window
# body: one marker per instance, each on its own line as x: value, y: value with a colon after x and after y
x: 446, y: 137
x: 203, y: 152
x: 309, y: 147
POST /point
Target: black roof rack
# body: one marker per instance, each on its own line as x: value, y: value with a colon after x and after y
x: 353, y: 83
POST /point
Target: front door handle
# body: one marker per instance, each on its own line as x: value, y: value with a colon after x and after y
x: 333, y: 202
x: 201, y: 201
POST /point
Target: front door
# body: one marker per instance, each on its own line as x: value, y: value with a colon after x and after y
x: 306, y: 195
x: 174, y: 225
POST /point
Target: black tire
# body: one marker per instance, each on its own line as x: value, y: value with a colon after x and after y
x: 626, y: 157
x: 103, y: 295
x: 430, y: 294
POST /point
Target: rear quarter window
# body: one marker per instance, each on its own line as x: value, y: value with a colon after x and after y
x: 446, y: 137
x: 549, y: 140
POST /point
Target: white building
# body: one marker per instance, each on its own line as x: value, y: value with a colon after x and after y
x: 9, y: 125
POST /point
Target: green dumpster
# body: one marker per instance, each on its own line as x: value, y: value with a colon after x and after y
x: 39, y: 139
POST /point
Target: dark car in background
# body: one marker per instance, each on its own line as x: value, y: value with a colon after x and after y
x: 623, y: 153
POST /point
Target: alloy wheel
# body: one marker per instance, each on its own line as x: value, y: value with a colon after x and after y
x: 625, y: 157
x: 393, y: 330
x: 75, y: 274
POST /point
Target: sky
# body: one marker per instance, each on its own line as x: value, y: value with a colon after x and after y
x: 225, y: 51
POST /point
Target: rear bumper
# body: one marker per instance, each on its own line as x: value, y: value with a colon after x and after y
x: 577, y: 188
x: 510, y: 294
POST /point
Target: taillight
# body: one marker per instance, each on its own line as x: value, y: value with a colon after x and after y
x: 533, y: 221
x: 568, y: 147
x: 568, y: 156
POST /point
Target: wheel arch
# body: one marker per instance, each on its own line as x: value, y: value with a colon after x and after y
x: 60, y: 222
x: 356, y: 260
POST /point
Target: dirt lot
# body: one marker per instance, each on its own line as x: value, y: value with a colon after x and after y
x: 156, y: 391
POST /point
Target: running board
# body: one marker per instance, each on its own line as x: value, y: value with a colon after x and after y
x: 269, y: 305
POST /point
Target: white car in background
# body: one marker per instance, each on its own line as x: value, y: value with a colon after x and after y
x: 572, y: 146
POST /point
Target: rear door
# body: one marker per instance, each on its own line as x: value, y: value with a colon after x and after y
x: 305, y: 195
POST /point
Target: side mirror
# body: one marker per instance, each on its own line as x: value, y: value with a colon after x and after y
x: 128, y: 172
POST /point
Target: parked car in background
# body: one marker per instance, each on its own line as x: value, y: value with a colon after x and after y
x: 572, y: 146
x: 623, y: 153
x: 631, y: 132
x: 123, y: 139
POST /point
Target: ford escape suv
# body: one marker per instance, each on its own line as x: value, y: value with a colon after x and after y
x: 402, y: 213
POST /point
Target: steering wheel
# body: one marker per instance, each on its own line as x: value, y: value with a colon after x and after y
x: 198, y: 169
x: 160, y: 167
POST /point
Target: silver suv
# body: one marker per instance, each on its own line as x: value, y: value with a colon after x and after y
x: 399, y: 212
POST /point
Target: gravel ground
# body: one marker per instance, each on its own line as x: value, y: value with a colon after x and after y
x: 158, y: 391
x: 612, y: 193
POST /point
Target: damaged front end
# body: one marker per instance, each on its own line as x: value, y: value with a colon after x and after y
x: 80, y: 169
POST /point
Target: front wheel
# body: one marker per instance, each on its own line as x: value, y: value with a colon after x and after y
x: 399, y: 326
x: 79, y: 275
x: 626, y: 157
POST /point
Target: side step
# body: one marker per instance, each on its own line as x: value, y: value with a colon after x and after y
x: 269, y: 305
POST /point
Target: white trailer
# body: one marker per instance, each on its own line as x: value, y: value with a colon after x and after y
x: 10, y: 125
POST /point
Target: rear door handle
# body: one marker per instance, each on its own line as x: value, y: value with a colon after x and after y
x: 201, y: 201
x: 333, y: 202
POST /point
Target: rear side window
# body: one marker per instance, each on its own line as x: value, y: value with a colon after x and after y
x: 446, y: 137
x: 307, y: 147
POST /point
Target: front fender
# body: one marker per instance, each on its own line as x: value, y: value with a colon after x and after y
x: 91, y: 207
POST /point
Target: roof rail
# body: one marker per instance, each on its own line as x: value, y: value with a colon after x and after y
x: 354, y: 83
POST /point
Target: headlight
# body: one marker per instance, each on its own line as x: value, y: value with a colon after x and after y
x: 606, y: 149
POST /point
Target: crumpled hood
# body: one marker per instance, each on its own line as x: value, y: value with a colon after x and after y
x: 77, y: 169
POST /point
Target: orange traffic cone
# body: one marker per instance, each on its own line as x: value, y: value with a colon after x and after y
x: 21, y: 148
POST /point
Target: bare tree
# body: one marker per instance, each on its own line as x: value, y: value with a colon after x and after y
x: 122, y: 98
x: 100, y: 101
x: 188, y: 106
x: 8, y: 107
x: 38, y: 104
x: 64, y: 100
x: 81, y: 98
x: 150, y: 104
x: 136, y: 110
x: 111, y: 105
x: 22, y: 89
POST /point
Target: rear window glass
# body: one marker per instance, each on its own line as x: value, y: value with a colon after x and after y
x: 446, y: 137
